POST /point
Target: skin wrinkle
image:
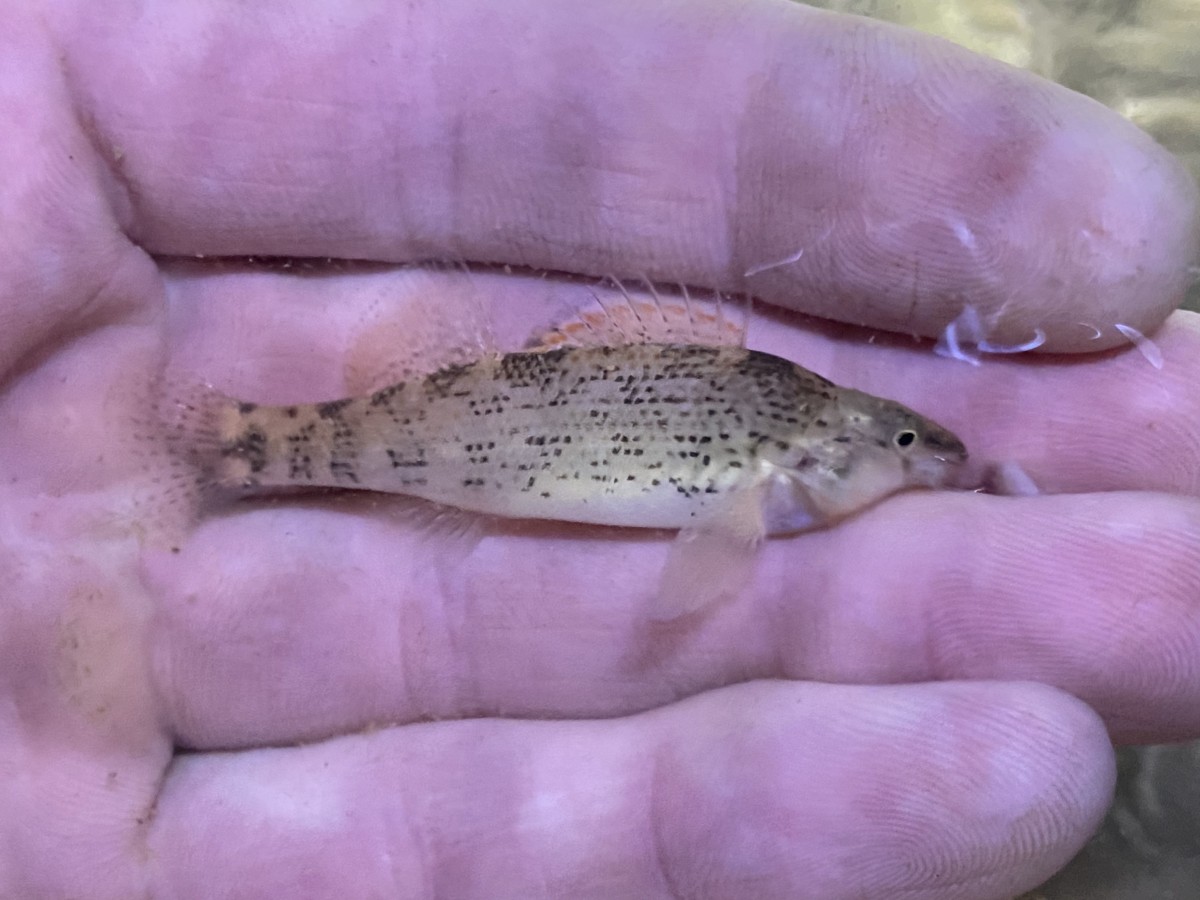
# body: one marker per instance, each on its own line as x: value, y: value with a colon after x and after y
x: 117, y: 186
x: 658, y: 822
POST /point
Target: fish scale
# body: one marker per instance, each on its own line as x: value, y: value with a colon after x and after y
x: 643, y: 435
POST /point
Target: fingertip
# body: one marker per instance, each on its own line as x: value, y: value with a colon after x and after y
x: 1124, y: 216
x: 959, y: 181
x: 938, y: 790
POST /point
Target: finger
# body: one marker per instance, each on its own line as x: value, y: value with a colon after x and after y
x: 1112, y: 422
x: 1094, y: 594
x: 865, y: 173
x: 765, y: 790
x: 281, y: 625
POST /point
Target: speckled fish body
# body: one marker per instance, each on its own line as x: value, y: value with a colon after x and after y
x: 645, y: 435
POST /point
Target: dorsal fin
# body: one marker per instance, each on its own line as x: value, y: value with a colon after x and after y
x: 617, y: 316
x: 443, y: 321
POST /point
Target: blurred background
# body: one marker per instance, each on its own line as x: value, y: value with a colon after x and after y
x: 1142, y: 59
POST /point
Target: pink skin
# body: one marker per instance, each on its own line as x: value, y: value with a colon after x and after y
x: 151, y: 701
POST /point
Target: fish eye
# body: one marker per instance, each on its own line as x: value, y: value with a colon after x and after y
x: 905, y: 439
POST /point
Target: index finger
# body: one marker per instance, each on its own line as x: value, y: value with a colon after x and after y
x: 856, y: 170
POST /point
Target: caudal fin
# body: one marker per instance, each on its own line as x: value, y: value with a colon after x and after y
x: 178, y: 432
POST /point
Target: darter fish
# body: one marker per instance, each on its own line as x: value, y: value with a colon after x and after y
x: 678, y: 426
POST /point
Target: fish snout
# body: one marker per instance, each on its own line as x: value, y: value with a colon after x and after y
x: 941, y: 463
x: 945, y: 446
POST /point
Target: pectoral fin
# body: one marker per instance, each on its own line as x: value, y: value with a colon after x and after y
x: 712, y: 561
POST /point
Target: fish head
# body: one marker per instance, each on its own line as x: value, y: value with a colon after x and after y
x: 870, y: 448
x: 928, y: 454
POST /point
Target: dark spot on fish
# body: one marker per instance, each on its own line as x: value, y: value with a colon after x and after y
x: 251, y: 445
x: 530, y: 369
x: 441, y: 383
x: 245, y: 407
x: 384, y: 396
x: 333, y: 408
x: 401, y: 461
x: 343, y: 470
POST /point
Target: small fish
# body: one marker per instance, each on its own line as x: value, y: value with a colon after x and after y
x: 726, y: 444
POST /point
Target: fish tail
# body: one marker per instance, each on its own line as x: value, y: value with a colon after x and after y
x: 197, y: 421
x: 186, y: 424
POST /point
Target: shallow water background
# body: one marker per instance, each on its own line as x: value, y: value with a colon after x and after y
x: 1142, y: 59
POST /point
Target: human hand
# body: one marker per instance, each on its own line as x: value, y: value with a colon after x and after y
x: 318, y: 698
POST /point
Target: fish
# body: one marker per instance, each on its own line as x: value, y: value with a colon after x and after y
x: 674, y: 424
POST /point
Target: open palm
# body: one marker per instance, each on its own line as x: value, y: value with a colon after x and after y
x: 325, y: 697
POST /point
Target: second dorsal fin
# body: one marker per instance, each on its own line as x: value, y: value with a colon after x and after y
x: 616, y: 316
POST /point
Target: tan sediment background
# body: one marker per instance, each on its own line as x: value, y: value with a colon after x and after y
x: 1142, y: 59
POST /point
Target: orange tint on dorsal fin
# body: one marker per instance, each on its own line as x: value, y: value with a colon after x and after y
x: 617, y: 316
